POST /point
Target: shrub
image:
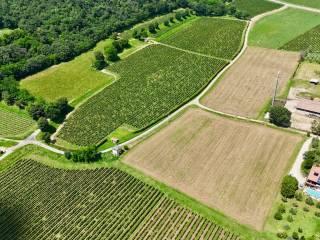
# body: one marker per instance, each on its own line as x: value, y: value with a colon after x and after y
x: 315, y: 143
x: 125, y: 147
x: 306, y: 209
x: 290, y: 218
x: 293, y: 211
x: 309, y: 201
x: 89, y: 154
x: 43, y: 124
x: 280, y: 116
x: 318, y: 205
x: 295, y: 235
x: 111, y: 54
x: 46, y: 137
x: 317, y: 214
x: 282, y: 235
x: 315, y: 127
x: 298, y: 196
x: 284, y: 199
x: 286, y: 227
x: 67, y: 155
x: 300, y: 230
x: 281, y: 208
x: 99, y: 62
x: 289, y: 186
x: 278, y: 216
x: 166, y: 23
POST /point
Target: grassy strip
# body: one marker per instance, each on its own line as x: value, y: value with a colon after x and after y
x: 256, y: 7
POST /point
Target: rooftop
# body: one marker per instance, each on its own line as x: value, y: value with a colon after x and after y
x: 314, y: 174
x: 309, y: 106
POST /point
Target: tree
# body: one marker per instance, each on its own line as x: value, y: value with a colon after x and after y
x: 152, y: 28
x: 280, y: 116
x: 43, y: 124
x: 46, y: 137
x: 111, y: 54
x: 99, y: 62
x: 166, y: 23
x: 315, y: 127
x: 89, y: 154
x: 36, y: 110
x: 289, y: 186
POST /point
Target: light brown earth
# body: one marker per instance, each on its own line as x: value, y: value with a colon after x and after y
x: 233, y: 166
x: 250, y: 82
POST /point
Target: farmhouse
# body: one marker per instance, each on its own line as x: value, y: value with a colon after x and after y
x: 313, y: 179
x: 309, y: 106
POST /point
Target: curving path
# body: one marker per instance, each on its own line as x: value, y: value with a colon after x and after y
x: 292, y: 5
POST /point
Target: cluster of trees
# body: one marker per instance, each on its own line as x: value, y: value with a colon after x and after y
x: 49, y: 32
x: 280, y: 116
x: 110, y: 53
x: 312, y: 156
x: 89, y: 154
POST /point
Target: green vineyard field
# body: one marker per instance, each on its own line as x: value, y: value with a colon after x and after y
x: 255, y: 7
x: 216, y: 37
x: 308, y: 41
x: 38, y: 202
x: 13, y: 124
x: 153, y: 82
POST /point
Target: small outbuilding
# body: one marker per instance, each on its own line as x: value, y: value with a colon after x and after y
x: 314, y: 81
x: 117, y: 151
x: 114, y: 140
x: 309, y: 106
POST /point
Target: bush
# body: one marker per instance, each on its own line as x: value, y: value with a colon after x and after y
x: 318, y: 205
x: 295, y: 235
x: 111, y: 54
x: 295, y: 205
x: 99, y: 62
x: 278, y: 216
x: 317, y: 214
x: 284, y: 199
x: 282, y: 235
x: 67, y: 155
x: 315, y: 127
x: 298, y: 196
x: 43, y: 124
x: 315, y: 143
x: 46, y: 137
x: 306, y: 209
x: 281, y: 208
x: 166, y: 23
x: 290, y: 218
x: 293, y: 211
x: 300, y: 230
x: 280, y: 116
x: 286, y: 227
x: 289, y: 186
x: 309, y: 201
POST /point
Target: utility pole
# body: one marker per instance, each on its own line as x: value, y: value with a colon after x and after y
x: 276, y: 89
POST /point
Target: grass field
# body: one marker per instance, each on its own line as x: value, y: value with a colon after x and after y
x: 307, y: 3
x: 309, y: 41
x: 233, y: 166
x: 212, y: 36
x: 278, y: 29
x: 250, y: 82
x: 255, y: 7
x: 15, y: 123
x: 153, y: 82
x: 104, y: 203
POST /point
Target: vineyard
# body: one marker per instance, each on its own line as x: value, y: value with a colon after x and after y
x: 213, y: 36
x: 153, y: 82
x: 13, y: 124
x: 308, y: 41
x: 38, y: 202
x: 254, y: 8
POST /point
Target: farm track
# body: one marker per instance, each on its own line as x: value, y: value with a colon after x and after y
x: 195, y: 101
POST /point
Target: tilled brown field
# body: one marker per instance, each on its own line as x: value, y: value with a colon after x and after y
x: 235, y: 167
x: 251, y: 81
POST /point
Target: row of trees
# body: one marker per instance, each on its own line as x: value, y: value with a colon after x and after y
x: 89, y: 154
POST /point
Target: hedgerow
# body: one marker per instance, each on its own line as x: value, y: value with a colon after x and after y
x: 153, y: 82
x: 38, y: 202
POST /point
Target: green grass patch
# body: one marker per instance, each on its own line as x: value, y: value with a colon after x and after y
x: 217, y: 37
x: 7, y: 143
x: 15, y: 123
x: 307, y: 3
x: 153, y: 82
x: 256, y: 7
x: 278, y: 29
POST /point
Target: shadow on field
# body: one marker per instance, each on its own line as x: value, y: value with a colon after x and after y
x: 9, y: 226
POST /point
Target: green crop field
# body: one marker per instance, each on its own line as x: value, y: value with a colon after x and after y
x: 153, y: 82
x: 217, y: 37
x: 255, y: 7
x: 14, y: 123
x: 307, y: 3
x: 278, y: 29
x: 308, y: 41
x: 39, y: 202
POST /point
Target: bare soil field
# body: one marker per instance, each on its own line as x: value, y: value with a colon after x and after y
x: 233, y: 166
x: 251, y: 81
